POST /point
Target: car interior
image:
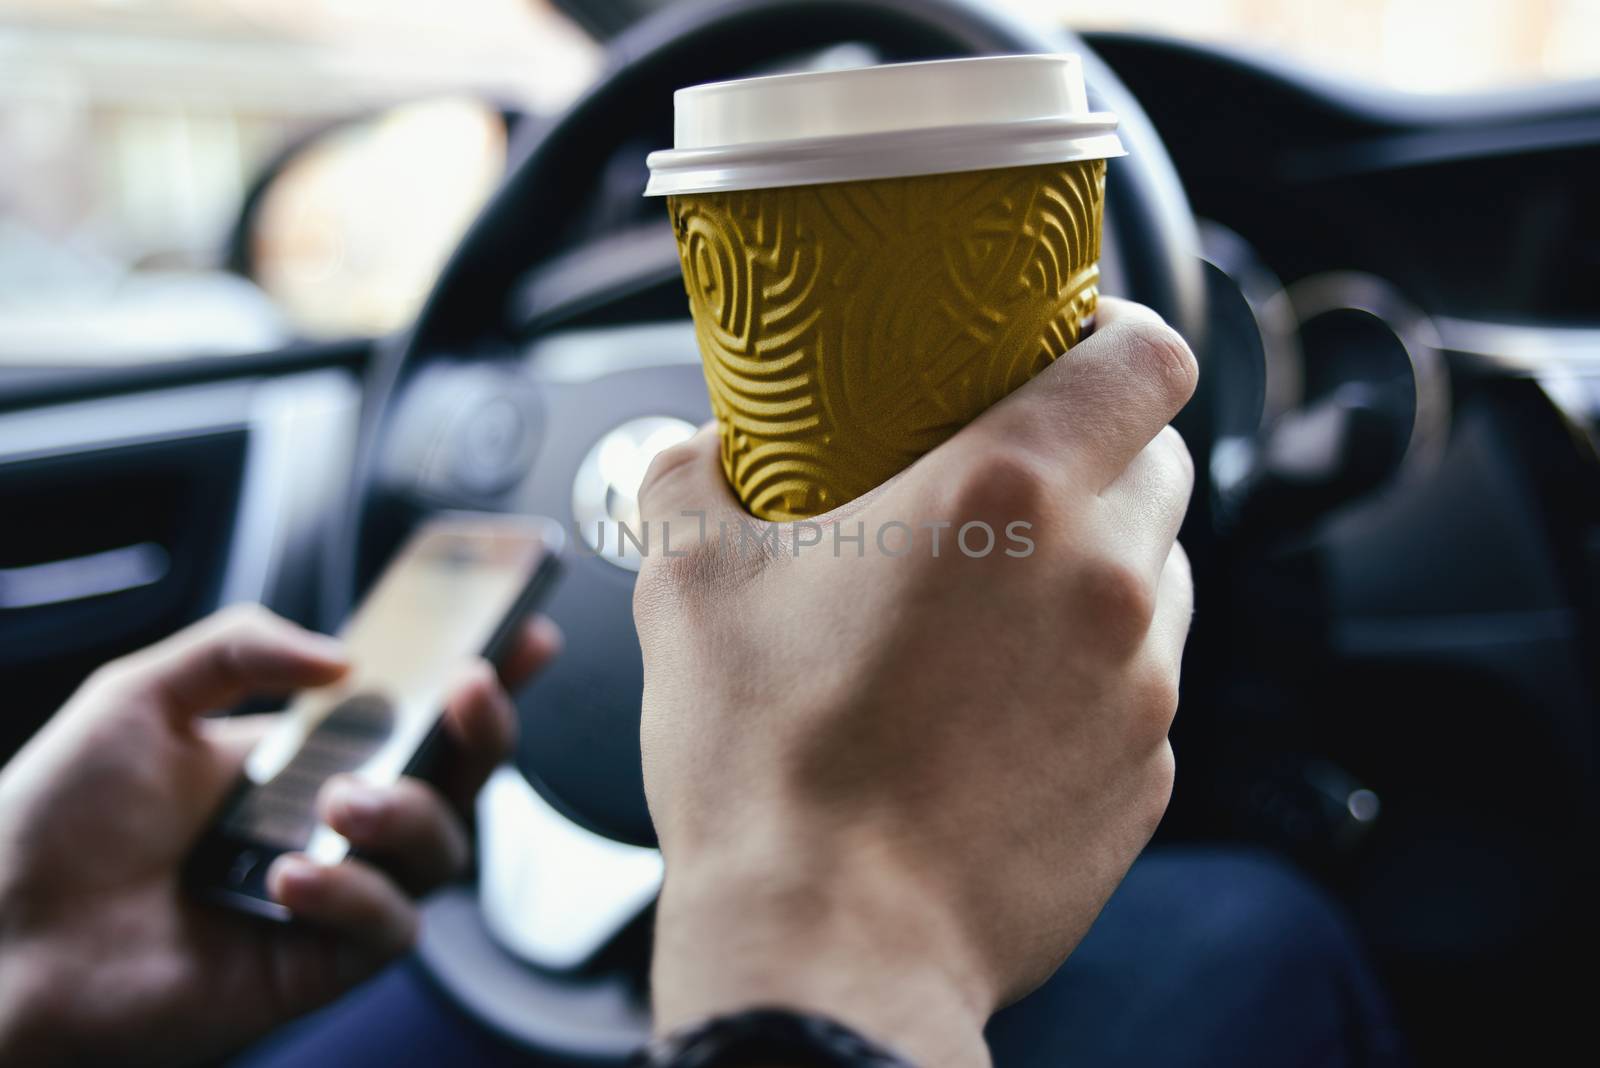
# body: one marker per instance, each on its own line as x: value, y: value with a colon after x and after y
x: 1392, y: 675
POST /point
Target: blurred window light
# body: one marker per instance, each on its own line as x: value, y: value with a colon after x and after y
x: 131, y: 130
x: 1418, y: 45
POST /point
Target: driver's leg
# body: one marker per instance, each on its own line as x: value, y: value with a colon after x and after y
x: 1202, y: 957
x: 1207, y: 957
x: 397, y: 1018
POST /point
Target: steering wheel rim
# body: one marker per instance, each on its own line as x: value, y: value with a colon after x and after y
x: 1147, y: 217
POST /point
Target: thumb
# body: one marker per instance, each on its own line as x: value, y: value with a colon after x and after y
x: 238, y: 652
x: 686, y: 493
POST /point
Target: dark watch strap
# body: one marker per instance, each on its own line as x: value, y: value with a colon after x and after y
x: 767, y: 1038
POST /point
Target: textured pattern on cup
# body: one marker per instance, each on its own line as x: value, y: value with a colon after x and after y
x: 847, y: 329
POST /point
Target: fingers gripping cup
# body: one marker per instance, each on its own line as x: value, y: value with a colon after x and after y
x: 875, y: 256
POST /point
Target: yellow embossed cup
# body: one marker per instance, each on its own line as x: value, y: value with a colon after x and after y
x: 875, y: 256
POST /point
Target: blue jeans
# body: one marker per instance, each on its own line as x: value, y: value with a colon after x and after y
x: 1202, y: 957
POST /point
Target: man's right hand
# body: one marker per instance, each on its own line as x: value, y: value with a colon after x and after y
x: 897, y: 789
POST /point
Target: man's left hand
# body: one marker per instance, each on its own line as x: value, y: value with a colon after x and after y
x: 104, y: 956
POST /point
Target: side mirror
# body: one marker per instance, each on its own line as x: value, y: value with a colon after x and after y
x: 347, y: 228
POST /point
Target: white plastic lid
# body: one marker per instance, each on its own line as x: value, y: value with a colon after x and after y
x: 881, y: 122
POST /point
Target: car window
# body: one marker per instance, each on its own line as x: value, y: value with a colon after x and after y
x: 1421, y: 45
x: 131, y: 131
x: 1424, y: 45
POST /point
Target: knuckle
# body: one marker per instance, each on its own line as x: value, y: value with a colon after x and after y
x: 232, y: 658
x: 1160, y: 776
x: 1119, y: 601
x: 232, y: 629
x: 246, y: 615
x: 112, y: 677
x: 1158, y: 699
x: 670, y: 459
x: 668, y: 464
x: 1001, y: 484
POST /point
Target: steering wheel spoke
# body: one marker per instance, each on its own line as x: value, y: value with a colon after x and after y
x: 462, y: 434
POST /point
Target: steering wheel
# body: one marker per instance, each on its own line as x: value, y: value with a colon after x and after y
x: 488, y: 402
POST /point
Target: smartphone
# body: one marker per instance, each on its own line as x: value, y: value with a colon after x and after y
x: 460, y: 586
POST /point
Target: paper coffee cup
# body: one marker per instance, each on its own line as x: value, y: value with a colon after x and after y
x: 875, y: 256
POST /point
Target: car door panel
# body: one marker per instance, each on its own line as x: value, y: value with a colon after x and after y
x: 125, y: 517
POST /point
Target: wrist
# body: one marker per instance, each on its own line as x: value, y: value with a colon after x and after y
x: 859, y: 943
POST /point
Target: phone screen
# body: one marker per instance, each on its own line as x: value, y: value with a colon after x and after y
x: 445, y: 597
